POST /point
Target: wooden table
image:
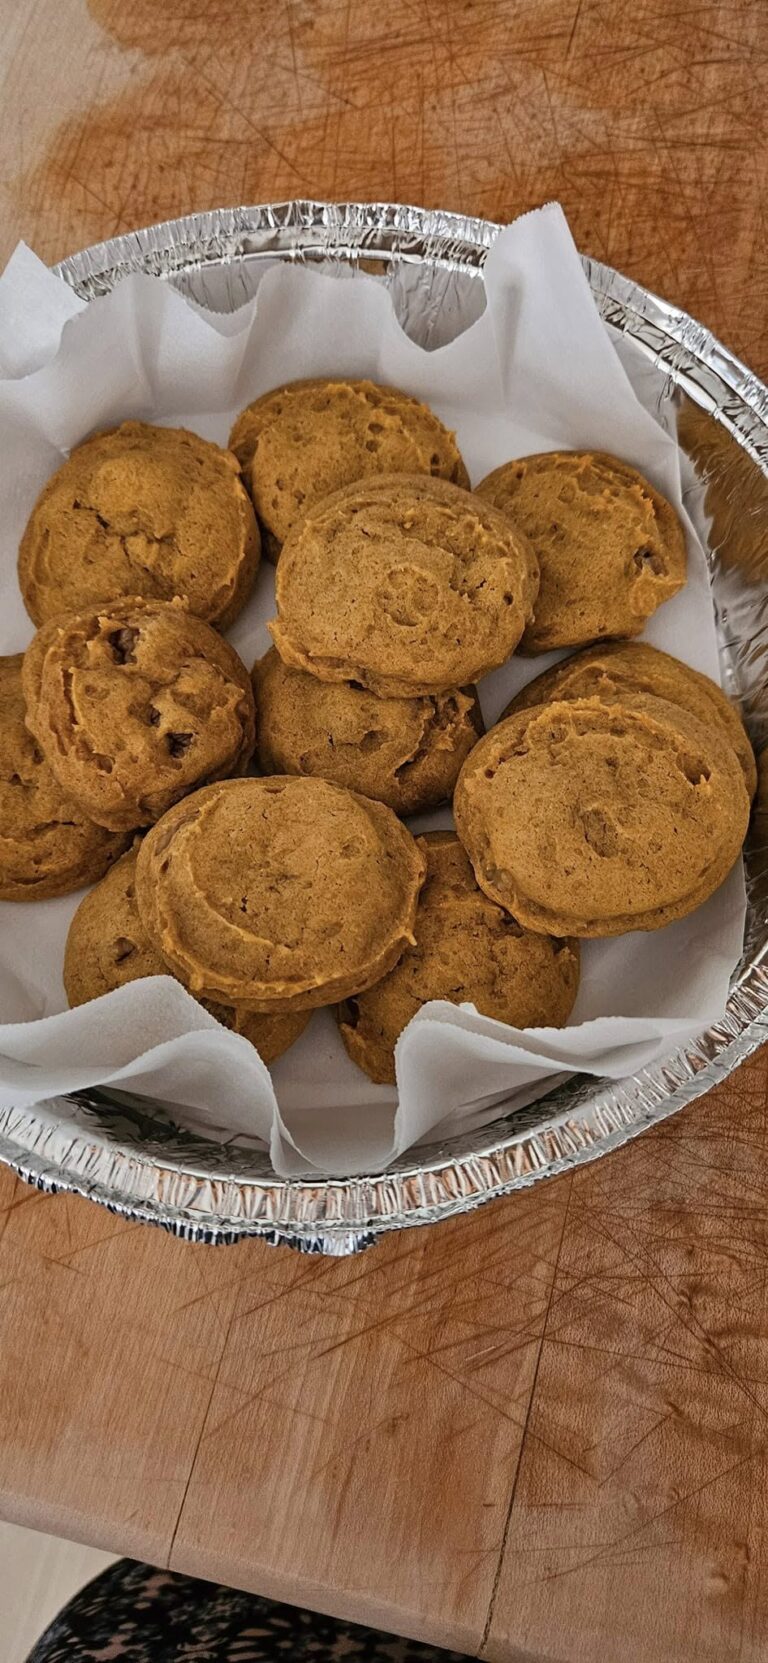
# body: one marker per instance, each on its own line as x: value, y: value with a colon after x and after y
x: 539, y: 1433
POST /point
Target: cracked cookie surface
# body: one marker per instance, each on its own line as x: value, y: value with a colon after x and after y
x: 281, y: 893
x: 404, y: 584
x: 587, y: 818
x: 47, y: 844
x: 107, y: 946
x: 142, y: 510
x: 404, y: 752
x: 136, y: 704
x: 610, y: 671
x: 610, y: 547
x: 467, y: 950
x: 302, y: 441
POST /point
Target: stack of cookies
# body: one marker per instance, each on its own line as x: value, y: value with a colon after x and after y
x: 613, y: 795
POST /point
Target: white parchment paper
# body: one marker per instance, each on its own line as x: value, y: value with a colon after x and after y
x: 537, y: 371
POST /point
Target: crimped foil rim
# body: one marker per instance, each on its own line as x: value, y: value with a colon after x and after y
x: 579, y: 1121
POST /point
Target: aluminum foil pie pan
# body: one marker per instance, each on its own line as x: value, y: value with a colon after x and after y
x: 119, y: 1151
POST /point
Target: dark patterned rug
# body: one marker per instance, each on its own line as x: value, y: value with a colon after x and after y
x: 135, y: 1614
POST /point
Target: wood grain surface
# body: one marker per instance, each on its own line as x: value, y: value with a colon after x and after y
x: 538, y: 1434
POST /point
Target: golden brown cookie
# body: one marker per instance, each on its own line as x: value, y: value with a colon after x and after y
x: 300, y: 442
x: 108, y: 946
x: 590, y: 819
x: 282, y: 894
x: 404, y: 584
x: 142, y: 510
x: 47, y: 846
x: 469, y: 951
x: 272, y: 1032
x: 608, y: 672
x: 404, y: 752
x: 136, y: 704
x: 609, y: 546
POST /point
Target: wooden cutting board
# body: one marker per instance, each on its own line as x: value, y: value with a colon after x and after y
x: 539, y: 1433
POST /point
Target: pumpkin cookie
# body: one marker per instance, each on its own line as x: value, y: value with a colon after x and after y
x: 108, y: 946
x: 469, y: 951
x: 590, y: 819
x: 47, y: 846
x: 404, y: 752
x: 135, y: 705
x: 619, y: 667
x: 609, y: 546
x: 303, y: 441
x: 404, y: 584
x: 281, y: 894
x: 141, y: 510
